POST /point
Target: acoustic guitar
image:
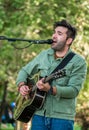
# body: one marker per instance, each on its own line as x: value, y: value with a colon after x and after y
x: 26, y: 106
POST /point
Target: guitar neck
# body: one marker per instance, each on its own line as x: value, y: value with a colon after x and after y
x: 55, y: 75
x: 47, y: 79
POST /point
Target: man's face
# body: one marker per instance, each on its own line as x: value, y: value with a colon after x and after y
x: 59, y: 38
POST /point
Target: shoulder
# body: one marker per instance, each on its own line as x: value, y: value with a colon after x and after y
x: 79, y: 60
x: 79, y: 57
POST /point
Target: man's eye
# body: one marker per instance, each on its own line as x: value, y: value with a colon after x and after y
x: 59, y: 33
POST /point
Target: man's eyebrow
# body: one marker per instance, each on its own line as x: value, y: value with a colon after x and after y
x: 60, y: 32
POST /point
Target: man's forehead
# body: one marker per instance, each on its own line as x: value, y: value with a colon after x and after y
x: 61, y: 29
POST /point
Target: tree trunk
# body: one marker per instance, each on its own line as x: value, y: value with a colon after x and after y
x: 2, y: 105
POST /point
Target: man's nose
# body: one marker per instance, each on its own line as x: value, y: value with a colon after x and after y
x: 55, y: 35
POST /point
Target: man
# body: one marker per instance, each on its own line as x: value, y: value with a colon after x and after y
x: 58, y: 111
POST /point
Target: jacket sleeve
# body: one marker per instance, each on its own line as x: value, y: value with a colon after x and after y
x: 30, y: 69
x: 76, y: 80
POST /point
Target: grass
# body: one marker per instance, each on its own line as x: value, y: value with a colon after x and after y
x: 77, y: 127
x: 9, y: 127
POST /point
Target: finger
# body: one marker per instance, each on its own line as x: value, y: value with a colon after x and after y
x: 43, y: 79
x: 24, y: 91
x: 25, y: 88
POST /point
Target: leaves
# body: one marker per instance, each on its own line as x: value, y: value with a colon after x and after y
x: 34, y: 20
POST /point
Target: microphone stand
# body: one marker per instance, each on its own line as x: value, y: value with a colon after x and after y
x: 49, y: 41
x: 15, y: 39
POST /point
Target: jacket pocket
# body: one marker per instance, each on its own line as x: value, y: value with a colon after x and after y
x: 65, y: 106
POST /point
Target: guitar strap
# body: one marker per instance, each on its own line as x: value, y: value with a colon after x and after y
x: 61, y: 66
x: 64, y: 62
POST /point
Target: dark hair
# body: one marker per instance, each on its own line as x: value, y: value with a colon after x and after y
x: 71, y: 30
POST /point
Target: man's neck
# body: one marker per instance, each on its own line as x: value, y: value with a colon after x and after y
x: 60, y: 54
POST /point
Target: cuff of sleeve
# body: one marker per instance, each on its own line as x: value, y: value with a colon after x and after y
x: 50, y: 91
x: 58, y: 94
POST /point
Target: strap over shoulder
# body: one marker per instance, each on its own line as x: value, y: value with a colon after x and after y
x: 64, y: 62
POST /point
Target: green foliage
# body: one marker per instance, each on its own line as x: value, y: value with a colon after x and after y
x: 33, y: 19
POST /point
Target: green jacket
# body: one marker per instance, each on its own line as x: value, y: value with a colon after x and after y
x: 63, y: 104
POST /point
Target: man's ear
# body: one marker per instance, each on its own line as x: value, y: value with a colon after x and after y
x: 69, y: 41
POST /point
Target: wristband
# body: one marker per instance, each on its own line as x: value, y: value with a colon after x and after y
x: 50, y: 90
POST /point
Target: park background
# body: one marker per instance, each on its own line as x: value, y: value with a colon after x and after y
x: 33, y: 19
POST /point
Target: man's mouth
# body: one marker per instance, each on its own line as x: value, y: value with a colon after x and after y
x: 54, y: 41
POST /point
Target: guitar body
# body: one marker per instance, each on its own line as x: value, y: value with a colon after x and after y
x: 26, y: 106
x: 25, y: 111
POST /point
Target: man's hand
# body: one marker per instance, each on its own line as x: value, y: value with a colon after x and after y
x: 43, y: 86
x: 24, y: 90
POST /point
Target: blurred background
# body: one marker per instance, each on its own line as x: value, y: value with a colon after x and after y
x: 33, y: 19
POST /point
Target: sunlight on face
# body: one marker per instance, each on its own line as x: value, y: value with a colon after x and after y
x: 59, y: 38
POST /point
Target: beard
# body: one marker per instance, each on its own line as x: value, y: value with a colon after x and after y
x: 58, y: 46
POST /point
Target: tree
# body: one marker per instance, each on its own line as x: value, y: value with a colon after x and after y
x: 34, y: 20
